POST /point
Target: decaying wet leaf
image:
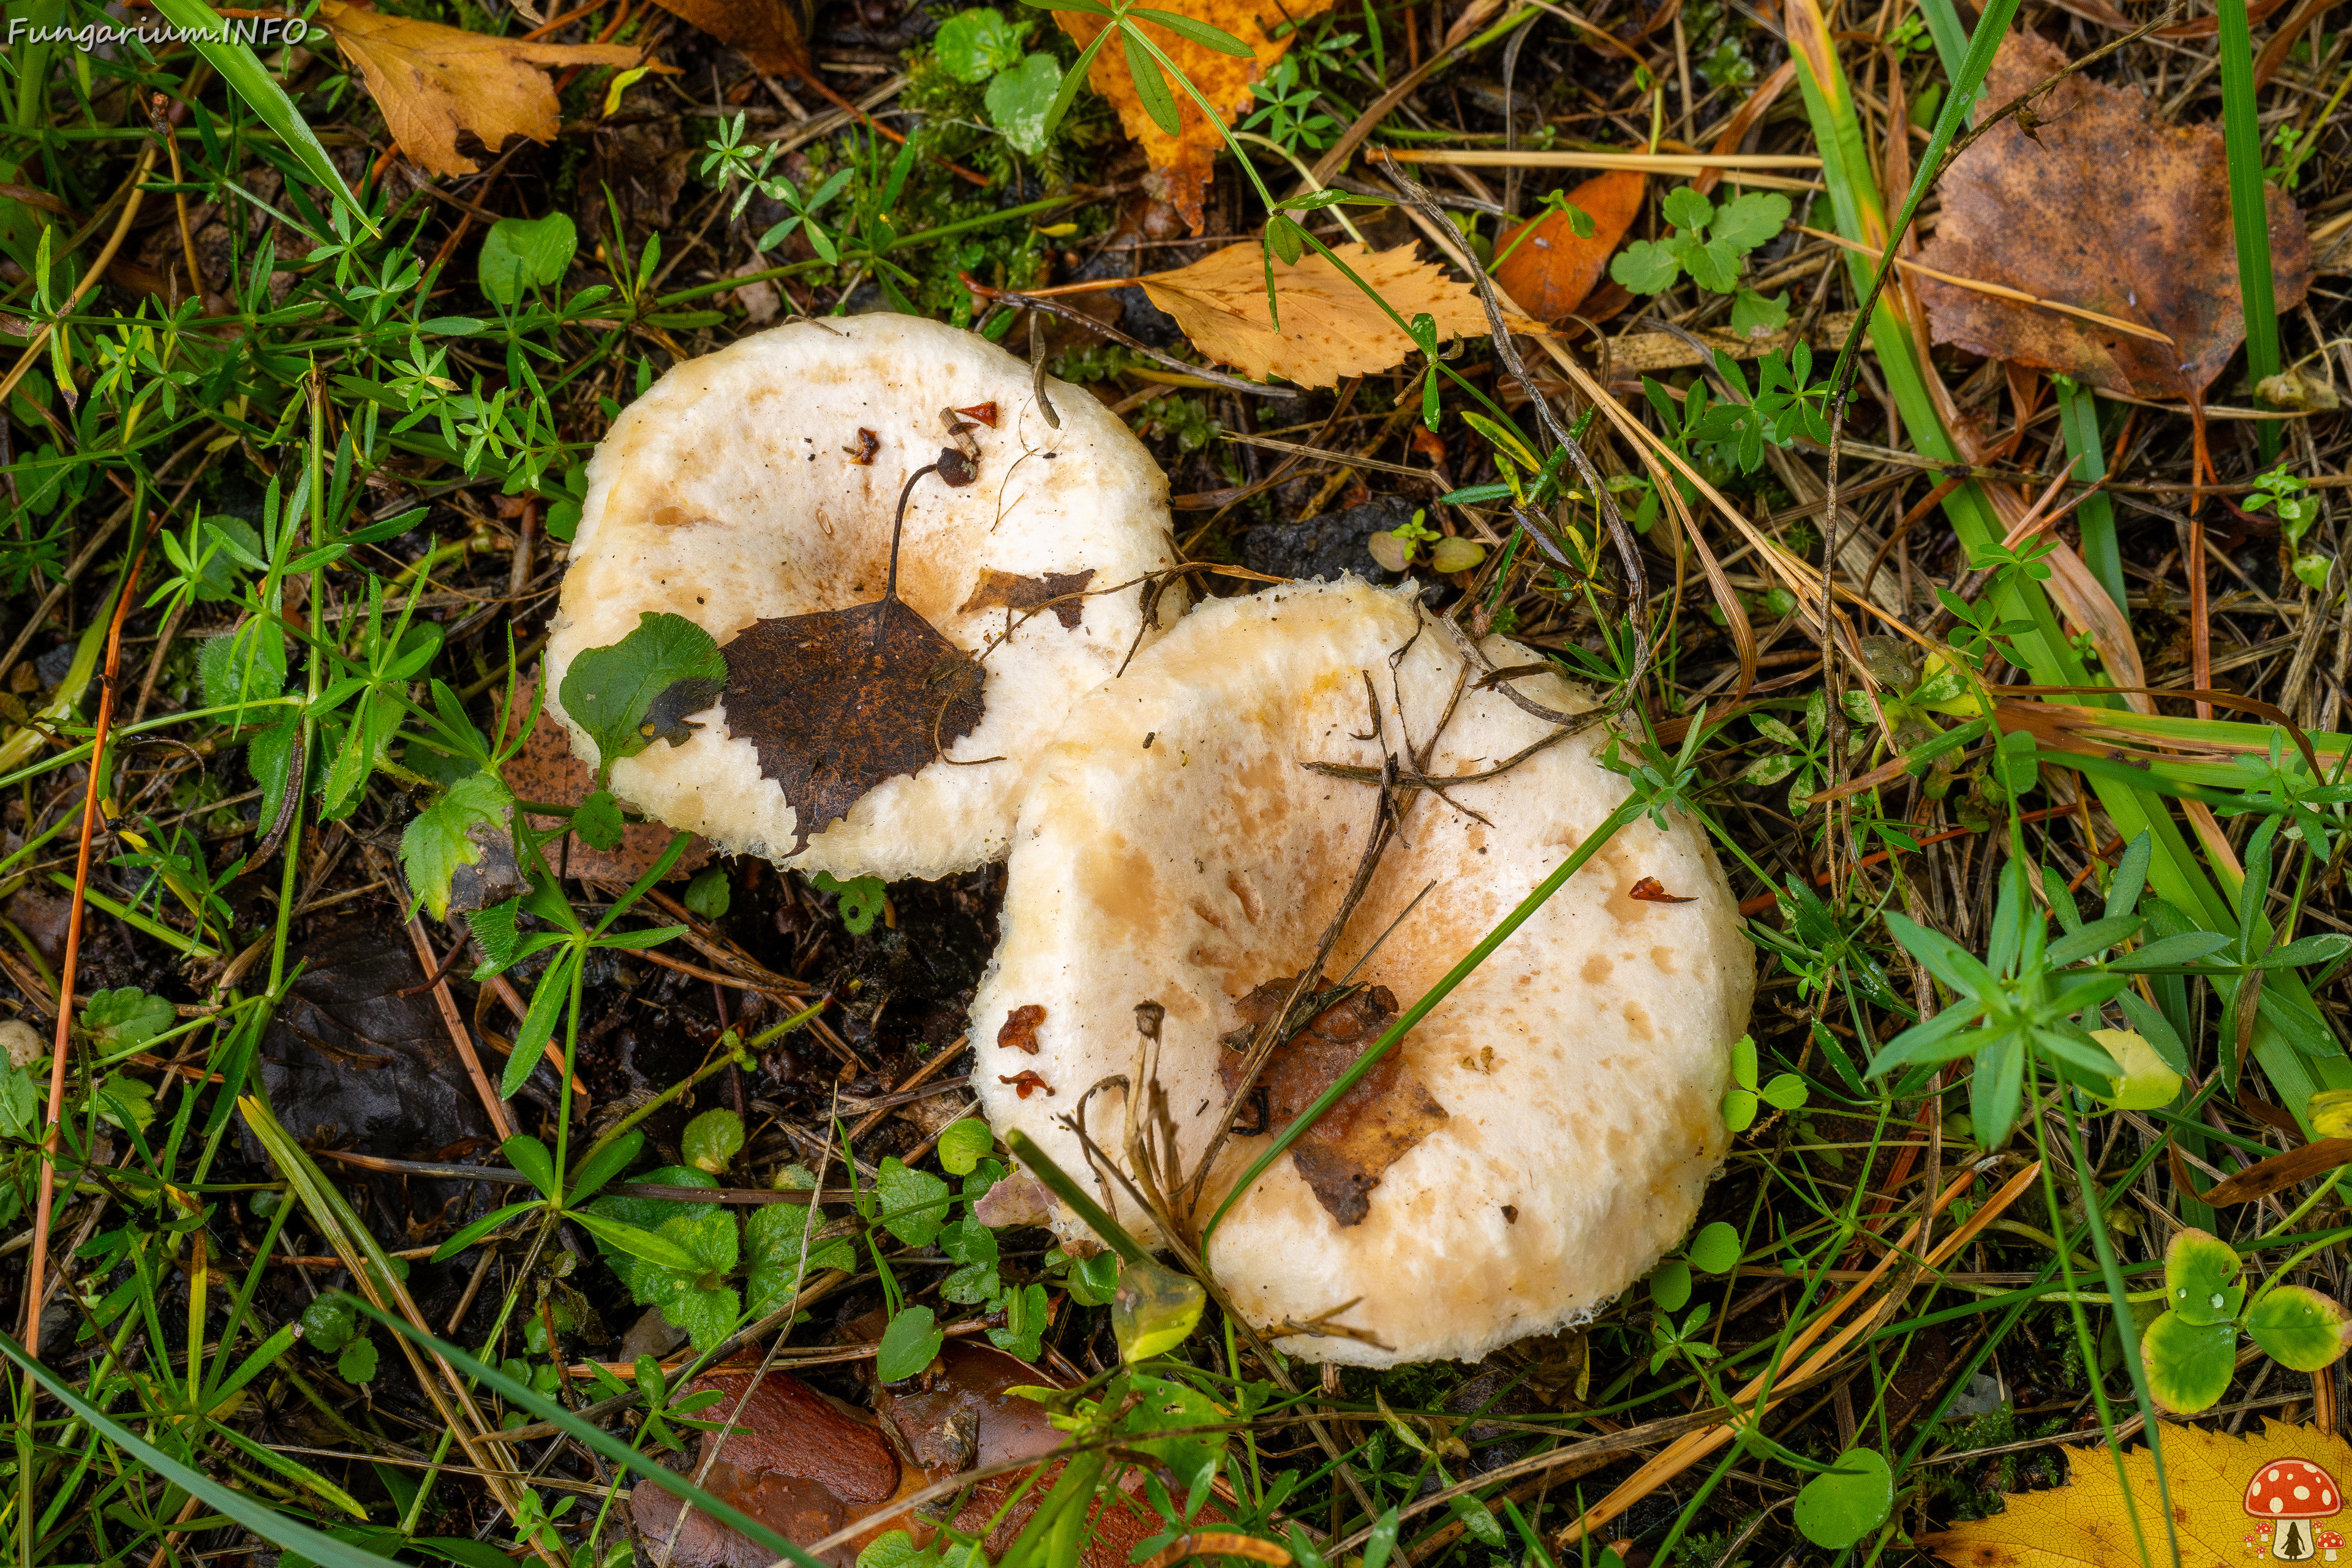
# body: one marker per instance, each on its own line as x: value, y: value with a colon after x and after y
x: 431, y: 82
x: 1650, y: 890
x: 1003, y: 588
x: 767, y: 31
x: 1370, y: 1128
x: 2280, y: 1171
x: 2108, y: 208
x: 1180, y: 163
x: 545, y: 771
x: 1553, y: 269
x: 1330, y: 329
x: 798, y: 1463
x: 840, y: 700
x: 2088, y: 1521
x: 1019, y: 1032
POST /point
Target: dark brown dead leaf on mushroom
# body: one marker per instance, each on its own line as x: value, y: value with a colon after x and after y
x: 1013, y: 593
x: 1370, y: 1128
x: 837, y: 701
x: 2107, y: 207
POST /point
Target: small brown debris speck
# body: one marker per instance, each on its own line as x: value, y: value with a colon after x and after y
x: 983, y: 412
x: 1650, y: 891
x: 868, y: 443
x: 1510, y: 1213
x: 1025, y: 1080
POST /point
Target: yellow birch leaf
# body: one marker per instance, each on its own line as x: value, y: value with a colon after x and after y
x: 2273, y: 1497
x: 1329, y: 328
x: 1180, y: 163
x: 431, y: 82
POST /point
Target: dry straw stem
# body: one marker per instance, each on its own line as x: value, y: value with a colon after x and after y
x: 1685, y: 1452
x: 1743, y: 168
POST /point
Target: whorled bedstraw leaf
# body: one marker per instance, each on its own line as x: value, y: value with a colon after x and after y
x: 2298, y: 1327
x: 631, y: 693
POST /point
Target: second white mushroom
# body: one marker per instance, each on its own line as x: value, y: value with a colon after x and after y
x: 1535, y: 1143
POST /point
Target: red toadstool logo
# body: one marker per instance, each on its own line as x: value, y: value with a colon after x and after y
x: 2290, y: 1496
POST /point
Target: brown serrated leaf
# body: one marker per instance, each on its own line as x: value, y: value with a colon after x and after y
x: 766, y: 31
x: 1370, y: 1128
x: 431, y: 82
x: 1180, y: 163
x: 1553, y: 270
x: 1003, y: 588
x: 1331, y: 328
x: 2108, y: 208
x: 839, y: 701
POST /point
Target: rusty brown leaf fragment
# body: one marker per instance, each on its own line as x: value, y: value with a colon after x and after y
x: 1368, y: 1129
x: 2101, y: 204
x: 1020, y: 1030
x: 1015, y: 592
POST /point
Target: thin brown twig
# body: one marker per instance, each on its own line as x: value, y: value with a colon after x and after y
x: 75, y: 916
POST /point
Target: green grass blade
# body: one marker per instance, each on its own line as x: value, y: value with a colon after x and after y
x: 286, y: 1534
x: 2249, y: 220
x: 1593, y: 843
x: 251, y: 80
x: 2078, y: 413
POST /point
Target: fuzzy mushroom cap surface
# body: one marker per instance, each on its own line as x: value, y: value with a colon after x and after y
x: 1551, y: 1124
x: 733, y: 492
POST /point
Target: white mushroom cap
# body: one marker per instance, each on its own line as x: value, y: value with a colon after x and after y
x: 729, y: 493
x: 1176, y: 847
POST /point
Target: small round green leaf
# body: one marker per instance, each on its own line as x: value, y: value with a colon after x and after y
x: 1739, y: 1110
x: 908, y: 1345
x: 357, y: 1364
x: 597, y: 820
x: 1786, y: 1092
x: 1670, y: 1285
x: 711, y: 1140
x: 708, y: 894
x: 1848, y: 1501
x: 327, y: 1323
x: 963, y: 1144
x: 2188, y: 1364
x: 1715, y: 1250
x: 2200, y: 1275
x: 2299, y: 1329
x: 1154, y: 1310
x: 521, y: 254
